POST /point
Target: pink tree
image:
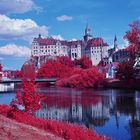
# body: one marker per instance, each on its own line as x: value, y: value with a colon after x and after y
x: 133, y: 36
x: 28, y: 98
x: 84, y: 62
x: 0, y: 71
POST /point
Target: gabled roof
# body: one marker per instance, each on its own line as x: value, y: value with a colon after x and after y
x: 45, y: 41
x: 94, y: 42
x: 52, y: 41
x: 76, y: 43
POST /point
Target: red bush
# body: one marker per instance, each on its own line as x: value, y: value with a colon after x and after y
x: 85, y: 78
x: 126, y: 71
x: 84, y: 62
x: 17, y: 74
x: 4, y: 109
x: 61, y: 67
x: 65, y: 130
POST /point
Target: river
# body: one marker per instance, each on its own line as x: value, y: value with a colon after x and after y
x: 115, y: 113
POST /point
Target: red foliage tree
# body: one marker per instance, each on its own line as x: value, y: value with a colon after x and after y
x: 28, y: 70
x: 133, y: 36
x: 126, y: 71
x: 65, y: 61
x: 17, y: 74
x: 86, y: 78
x: 84, y: 62
x: 0, y: 67
x: 28, y: 98
x: 0, y: 71
x: 60, y: 67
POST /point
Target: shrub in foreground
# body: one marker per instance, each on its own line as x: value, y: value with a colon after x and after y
x: 65, y: 130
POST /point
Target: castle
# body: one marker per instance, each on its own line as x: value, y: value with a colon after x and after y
x: 95, y: 48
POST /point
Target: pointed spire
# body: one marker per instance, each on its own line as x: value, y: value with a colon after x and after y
x: 87, y: 35
x: 115, y: 39
x: 87, y: 30
x: 115, y: 43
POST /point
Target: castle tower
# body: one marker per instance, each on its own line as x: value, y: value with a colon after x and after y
x: 115, y: 44
x: 87, y: 35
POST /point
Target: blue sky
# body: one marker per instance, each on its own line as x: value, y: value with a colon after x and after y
x: 21, y: 20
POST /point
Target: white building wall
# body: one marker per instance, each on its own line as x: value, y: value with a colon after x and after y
x: 53, y: 50
x: 95, y: 54
x: 105, y: 51
x: 76, y: 52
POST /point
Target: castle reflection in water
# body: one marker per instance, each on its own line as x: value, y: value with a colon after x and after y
x: 90, y: 108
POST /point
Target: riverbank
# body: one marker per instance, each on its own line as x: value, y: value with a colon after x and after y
x: 10, y: 129
x: 59, y: 129
x: 117, y: 84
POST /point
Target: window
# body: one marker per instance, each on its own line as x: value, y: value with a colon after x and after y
x: 116, y: 57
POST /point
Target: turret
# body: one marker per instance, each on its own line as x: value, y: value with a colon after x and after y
x: 115, y: 43
x: 87, y: 35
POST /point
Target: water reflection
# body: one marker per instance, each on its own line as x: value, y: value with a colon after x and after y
x: 115, y: 113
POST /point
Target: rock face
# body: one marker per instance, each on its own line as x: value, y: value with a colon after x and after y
x: 12, y: 130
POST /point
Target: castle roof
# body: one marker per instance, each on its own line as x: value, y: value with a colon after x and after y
x: 76, y: 43
x: 52, y: 41
x: 94, y: 42
x: 45, y: 41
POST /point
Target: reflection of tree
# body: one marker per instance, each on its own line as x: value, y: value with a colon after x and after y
x: 135, y: 129
x: 127, y: 105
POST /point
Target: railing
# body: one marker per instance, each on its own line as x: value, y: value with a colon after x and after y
x: 36, y: 80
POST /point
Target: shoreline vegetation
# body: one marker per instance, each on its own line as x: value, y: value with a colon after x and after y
x: 62, y: 130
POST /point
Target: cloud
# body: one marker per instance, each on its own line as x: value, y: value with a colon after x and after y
x: 64, y: 18
x: 17, y: 6
x: 15, y: 50
x: 20, y: 28
x: 58, y: 37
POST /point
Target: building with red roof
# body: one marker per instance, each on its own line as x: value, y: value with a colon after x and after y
x: 95, y: 48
